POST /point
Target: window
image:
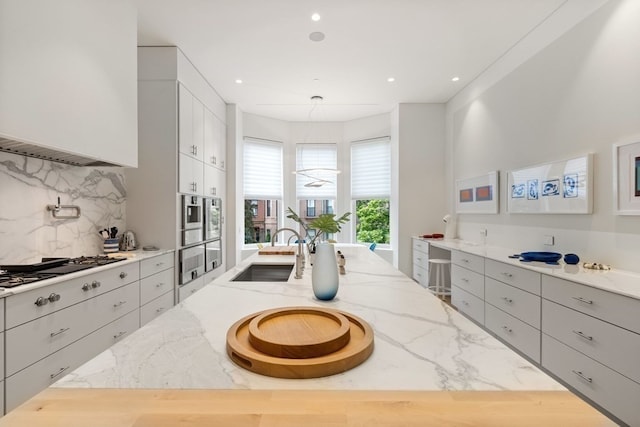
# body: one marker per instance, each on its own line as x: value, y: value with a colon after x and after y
x: 371, y: 189
x: 316, y: 180
x: 262, y: 186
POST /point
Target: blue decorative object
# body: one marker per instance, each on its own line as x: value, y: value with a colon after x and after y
x: 571, y: 259
x: 548, y: 257
x: 324, y: 275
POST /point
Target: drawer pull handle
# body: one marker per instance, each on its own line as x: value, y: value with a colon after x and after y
x: 121, y: 333
x: 582, y: 335
x: 465, y: 280
x: 158, y: 264
x: 123, y: 275
x: 41, y: 301
x: 159, y: 285
x: 59, y: 372
x: 586, y: 301
x: 53, y: 334
x: 54, y: 297
x: 119, y: 304
x: 507, y: 300
x: 583, y: 376
x: 509, y: 275
x: 465, y: 260
x: 465, y: 303
x: 95, y: 284
x: 419, y: 259
x: 159, y: 310
x: 86, y: 287
x: 507, y: 329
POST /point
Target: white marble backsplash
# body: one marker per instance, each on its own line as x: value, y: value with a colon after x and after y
x: 29, y: 232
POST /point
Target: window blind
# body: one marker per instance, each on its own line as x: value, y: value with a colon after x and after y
x: 310, y: 156
x: 371, y: 169
x: 262, y: 169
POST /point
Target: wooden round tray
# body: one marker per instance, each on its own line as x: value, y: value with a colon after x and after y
x: 299, y: 333
x: 358, y: 348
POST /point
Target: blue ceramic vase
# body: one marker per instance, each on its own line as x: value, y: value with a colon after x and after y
x: 324, y: 275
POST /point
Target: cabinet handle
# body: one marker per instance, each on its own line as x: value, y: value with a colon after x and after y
x: 95, y: 284
x: 194, y: 150
x: 465, y: 303
x: 123, y: 274
x: 158, y: 264
x: 53, y: 297
x: 159, y: 284
x: 53, y: 334
x: 86, y: 287
x: 419, y: 259
x: 212, y: 160
x: 507, y: 329
x: 59, y: 372
x: 583, y: 376
x: 465, y: 260
x: 222, y: 164
x: 41, y: 301
x: 215, y: 161
x: 586, y: 301
x: 158, y: 310
x: 464, y: 280
x: 509, y: 275
x: 582, y: 335
x: 193, y: 290
x: 121, y: 333
x: 119, y: 304
x: 507, y: 300
x: 213, y: 191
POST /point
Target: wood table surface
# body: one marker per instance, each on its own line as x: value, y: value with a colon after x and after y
x: 58, y: 407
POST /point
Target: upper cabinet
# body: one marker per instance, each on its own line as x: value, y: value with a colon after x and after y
x: 190, y: 124
x: 69, y: 82
x: 215, y: 136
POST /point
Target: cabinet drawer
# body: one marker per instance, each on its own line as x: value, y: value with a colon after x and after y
x: 420, y: 246
x: 2, y: 314
x: 190, y: 288
x: 610, y: 345
x: 614, y: 392
x: 28, y: 382
x: 21, y: 308
x: 153, y: 286
x: 421, y: 275
x: 155, y: 308
x: 468, y: 304
x: 516, y: 302
x: 32, y: 341
x: 515, y: 276
x: 156, y: 264
x: 472, y: 262
x: 613, y: 308
x: 421, y: 259
x: 515, y: 332
x: 468, y: 280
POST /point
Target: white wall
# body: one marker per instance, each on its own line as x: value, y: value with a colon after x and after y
x: 580, y: 94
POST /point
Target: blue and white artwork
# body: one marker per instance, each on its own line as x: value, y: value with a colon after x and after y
x: 551, y: 188
x: 518, y: 191
x: 570, y: 185
x: 532, y: 189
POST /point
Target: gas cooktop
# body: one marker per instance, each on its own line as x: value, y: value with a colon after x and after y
x: 22, y: 274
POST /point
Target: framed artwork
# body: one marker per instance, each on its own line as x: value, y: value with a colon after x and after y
x: 561, y: 187
x: 626, y: 178
x: 478, y: 194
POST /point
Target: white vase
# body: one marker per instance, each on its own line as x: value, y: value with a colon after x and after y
x: 324, y: 275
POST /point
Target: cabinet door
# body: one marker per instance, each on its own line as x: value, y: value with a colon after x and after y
x: 155, y: 308
x: 191, y: 175
x: 220, y: 143
x: 185, y: 121
x: 153, y: 286
x: 198, y: 129
x: 190, y: 288
x: 215, y: 139
x: 214, y: 181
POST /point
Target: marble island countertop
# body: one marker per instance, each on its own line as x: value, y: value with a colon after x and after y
x: 420, y: 342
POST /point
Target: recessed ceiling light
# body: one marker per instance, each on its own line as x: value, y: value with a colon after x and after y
x: 315, y: 17
x: 391, y: 79
x: 316, y: 36
x: 455, y: 79
x: 238, y: 81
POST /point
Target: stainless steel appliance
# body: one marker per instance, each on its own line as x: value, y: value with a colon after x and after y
x: 213, y: 255
x: 191, y: 220
x: 191, y: 263
x: 212, y: 218
x: 128, y: 242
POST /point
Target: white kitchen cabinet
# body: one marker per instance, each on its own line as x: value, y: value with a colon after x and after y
x: 190, y: 288
x: 155, y: 308
x: 468, y: 261
x: 27, y: 382
x: 191, y: 180
x: 151, y: 266
x: 213, y: 182
x: 190, y: 124
x: 158, y: 284
x: 467, y: 303
x: 470, y: 281
x: 518, y: 303
x: 523, y: 337
x: 526, y: 280
x: 157, y: 293
x: 215, y: 136
x: 420, y: 254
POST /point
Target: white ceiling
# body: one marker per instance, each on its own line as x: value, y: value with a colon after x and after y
x: 421, y: 43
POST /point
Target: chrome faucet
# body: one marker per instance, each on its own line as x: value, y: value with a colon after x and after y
x: 299, y: 255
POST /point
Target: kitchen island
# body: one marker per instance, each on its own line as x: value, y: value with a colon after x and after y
x: 422, y: 345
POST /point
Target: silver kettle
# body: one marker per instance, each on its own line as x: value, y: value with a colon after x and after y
x: 128, y: 242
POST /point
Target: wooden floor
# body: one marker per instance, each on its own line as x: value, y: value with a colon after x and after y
x: 246, y: 408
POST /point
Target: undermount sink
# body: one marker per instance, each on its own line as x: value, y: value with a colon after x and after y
x: 265, y: 273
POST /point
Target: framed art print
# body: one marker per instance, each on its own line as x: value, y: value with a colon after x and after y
x: 626, y: 178
x: 478, y: 194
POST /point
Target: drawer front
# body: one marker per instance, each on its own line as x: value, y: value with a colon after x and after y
x: 421, y: 275
x: 515, y: 332
x: 420, y: 246
x: 2, y: 315
x: 191, y: 288
x: 614, y: 392
x: 468, y: 280
x: 153, y: 286
x: 610, y: 345
x: 32, y: 341
x: 155, y: 308
x: 22, y: 308
x: 613, y: 308
x: 156, y: 264
x: 472, y: 262
x: 468, y: 304
x: 421, y: 259
x: 516, y: 302
x: 515, y: 276
x: 28, y: 382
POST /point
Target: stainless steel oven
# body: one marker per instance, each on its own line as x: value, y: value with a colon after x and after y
x: 212, y: 218
x: 192, y: 261
x: 213, y: 255
x: 192, y: 220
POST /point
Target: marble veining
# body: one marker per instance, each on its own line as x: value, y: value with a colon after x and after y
x: 29, y: 232
x: 420, y: 342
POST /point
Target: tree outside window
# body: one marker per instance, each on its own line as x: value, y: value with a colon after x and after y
x: 372, y: 221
